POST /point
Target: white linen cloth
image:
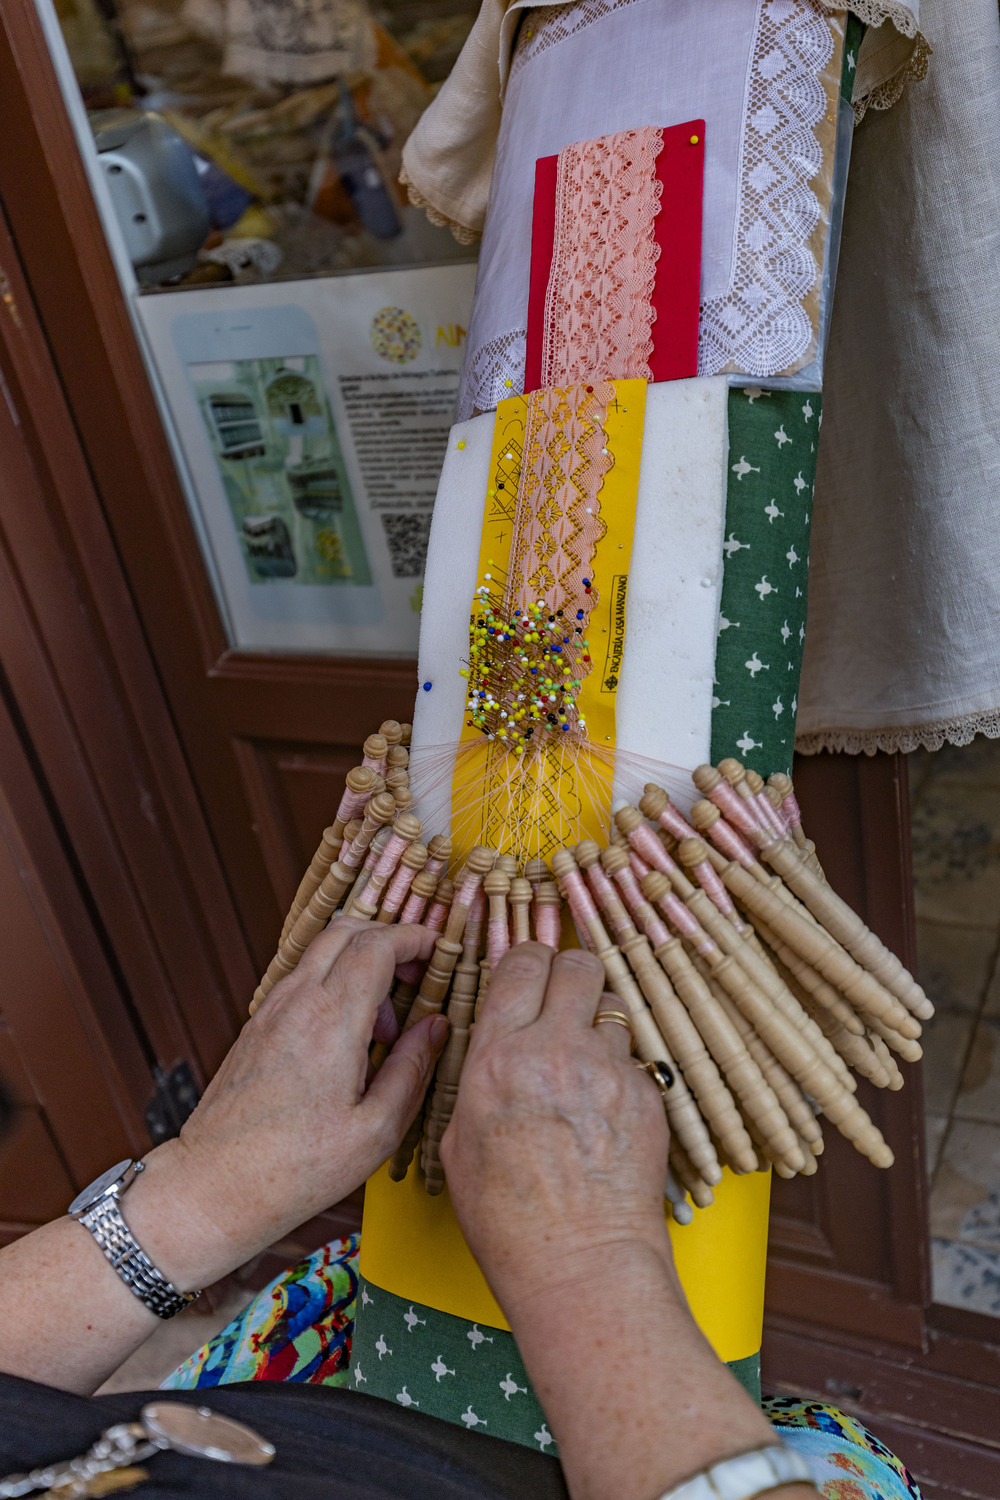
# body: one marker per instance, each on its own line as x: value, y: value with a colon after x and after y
x: 448, y: 159
x: 663, y: 705
x: 903, y: 640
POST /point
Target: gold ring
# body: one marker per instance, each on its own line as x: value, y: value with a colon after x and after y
x: 614, y: 1018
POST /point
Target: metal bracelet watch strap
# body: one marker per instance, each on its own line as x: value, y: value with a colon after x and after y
x: 746, y: 1475
x: 96, y: 1208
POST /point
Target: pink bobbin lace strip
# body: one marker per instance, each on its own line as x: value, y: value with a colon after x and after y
x: 598, y: 306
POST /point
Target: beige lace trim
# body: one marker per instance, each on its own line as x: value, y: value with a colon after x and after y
x: 931, y: 736
x: 461, y: 232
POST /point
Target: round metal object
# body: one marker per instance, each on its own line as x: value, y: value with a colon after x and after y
x: 202, y: 1433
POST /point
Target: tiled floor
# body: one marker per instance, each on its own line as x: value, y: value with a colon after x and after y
x: 956, y: 857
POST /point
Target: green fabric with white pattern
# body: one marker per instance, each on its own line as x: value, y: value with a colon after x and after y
x: 459, y: 1371
x: 773, y: 437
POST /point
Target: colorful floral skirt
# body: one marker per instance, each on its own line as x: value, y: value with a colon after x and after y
x: 300, y: 1327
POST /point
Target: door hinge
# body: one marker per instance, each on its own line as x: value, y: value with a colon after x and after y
x: 175, y: 1097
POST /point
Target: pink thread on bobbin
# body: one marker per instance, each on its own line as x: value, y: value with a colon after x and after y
x: 416, y: 904
x: 728, y: 842
x: 352, y: 805
x: 435, y: 918
x: 717, y: 893
x: 398, y: 890
x: 638, y: 865
x: 675, y: 823
x: 607, y: 899
x: 733, y: 807
x: 384, y: 868
x: 548, y: 923
x: 649, y: 848
x: 581, y: 904
x: 792, y: 812
x: 643, y: 913
x: 771, y: 817
x: 687, y: 925
x: 497, y: 939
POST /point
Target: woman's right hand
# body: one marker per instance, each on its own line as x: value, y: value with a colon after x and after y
x: 556, y: 1154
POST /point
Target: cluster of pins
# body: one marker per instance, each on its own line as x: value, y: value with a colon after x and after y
x: 740, y: 972
x: 525, y: 668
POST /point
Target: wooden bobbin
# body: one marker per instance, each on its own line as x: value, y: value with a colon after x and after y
x: 730, y: 844
x: 615, y: 862
x: 374, y: 751
x: 693, y: 857
x: 644, y: 843
x: 437, y: 914
x: 397, y: 758
x: 758, y: 1101
x: 782, y: 784
x: 909, y: 1050
x: 655, y: 805
x: 423, y: 888
x: 688, y: 1049
x: 519, y: 901
x: 844, y: 924
x: 547, y: 909
x: 713, y: 785
x: 438, y: 853
x: 688, y: 1176
x: 857, y: 1051
x: 412, y: 860
x: 823, y: 952
x: 437, y: 978
x: 536, y: 870
x: 682, y: 1111
x: 887, y: 1060
x: 357, y: 790
x: 461, y: 1003
x: 372, y: 858
x: 325, y: 900
x: 797, y: 1053
x: 796, y: 1107
x: 768, y: 983
x: 396, y: 779
x: 496, y: 884
x: 804, y: 978
x: 403, y: 798
x: 405, y: 829
x: 391, y: 731
x: 405, y: 733
x: 588, y: 857
x: 770, y: 816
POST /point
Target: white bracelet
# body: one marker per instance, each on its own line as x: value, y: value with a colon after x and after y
x: 746, y: 1475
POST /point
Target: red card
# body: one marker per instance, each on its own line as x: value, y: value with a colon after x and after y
x: 680, y: 168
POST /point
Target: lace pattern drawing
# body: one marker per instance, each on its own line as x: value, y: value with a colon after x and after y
x: 598, y: 307
x: 760, y: 326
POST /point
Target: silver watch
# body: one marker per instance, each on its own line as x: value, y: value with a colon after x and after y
x: 96, y: 1208
x: 746, y: 1475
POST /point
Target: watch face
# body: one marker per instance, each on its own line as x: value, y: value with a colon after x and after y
x: 98, y: 1187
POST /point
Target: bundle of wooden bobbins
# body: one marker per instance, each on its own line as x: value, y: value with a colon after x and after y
x: 750, y: 988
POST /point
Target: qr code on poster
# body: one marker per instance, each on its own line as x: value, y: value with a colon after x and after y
x: 406, y: 537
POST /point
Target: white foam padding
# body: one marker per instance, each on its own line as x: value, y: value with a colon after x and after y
x: 666, y: 683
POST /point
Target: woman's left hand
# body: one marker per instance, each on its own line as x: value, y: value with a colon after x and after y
x: 287, y: 1126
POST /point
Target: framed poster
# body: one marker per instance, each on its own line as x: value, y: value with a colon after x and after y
x: 310, y: 419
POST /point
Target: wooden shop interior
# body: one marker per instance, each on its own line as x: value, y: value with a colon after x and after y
x: 169, y: 758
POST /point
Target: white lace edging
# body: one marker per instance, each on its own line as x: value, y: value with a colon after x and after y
x: 461, y: 232
x: 545, y: 25
x: 887, y: 93
x: 932, y: 736
x: 495, y: 372
x: 877, y: 12
x: 760, y: 326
